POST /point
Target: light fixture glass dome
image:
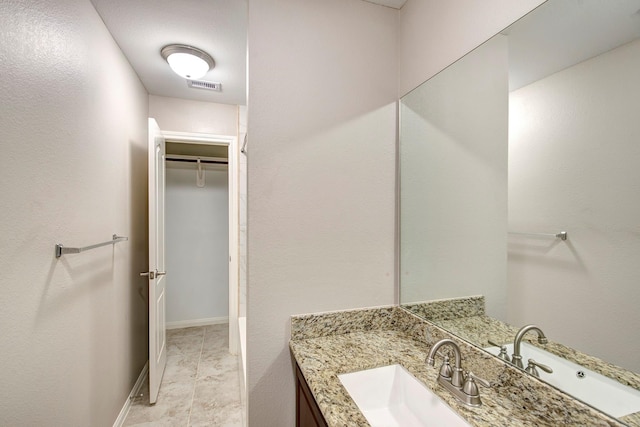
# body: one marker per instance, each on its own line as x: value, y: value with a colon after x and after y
x: 187, y: 61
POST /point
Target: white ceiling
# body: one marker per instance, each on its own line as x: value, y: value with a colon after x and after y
x: 142, y: 27
x: 561, y: 33
x: 219, y: 27
x: 558, y: 34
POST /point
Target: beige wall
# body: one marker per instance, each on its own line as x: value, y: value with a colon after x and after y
x: 321, y: 177
x: 73, y: 131
x: 196, y: 244
x: 454, y: 182
x: 434, y: 33
x: 183, y: 115
x: 242, y: 210
x: 322, y: 84
x: 573, y: 165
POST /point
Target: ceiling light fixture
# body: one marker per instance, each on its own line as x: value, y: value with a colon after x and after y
x: 187, y: 61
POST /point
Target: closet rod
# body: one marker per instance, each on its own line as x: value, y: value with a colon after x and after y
x: 194, y: 159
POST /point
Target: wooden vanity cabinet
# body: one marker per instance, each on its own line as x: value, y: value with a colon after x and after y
x: 307, y: 412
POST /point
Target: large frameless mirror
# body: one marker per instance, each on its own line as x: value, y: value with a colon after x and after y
x: 533, y: 134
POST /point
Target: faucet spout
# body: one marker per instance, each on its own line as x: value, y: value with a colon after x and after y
x: 456, y: 351
x: 517, y: 357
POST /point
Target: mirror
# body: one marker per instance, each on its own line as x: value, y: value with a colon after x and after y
x: 535, y: 132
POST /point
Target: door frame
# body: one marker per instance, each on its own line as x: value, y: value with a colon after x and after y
x: 234, y: 231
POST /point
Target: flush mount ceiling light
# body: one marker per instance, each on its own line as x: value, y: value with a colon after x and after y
x: 187, y: 61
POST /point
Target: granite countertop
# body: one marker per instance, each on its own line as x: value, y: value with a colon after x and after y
x: 322, y: 359
x: 465, y: 317
x: 479, y: 329
x: 330, y: 344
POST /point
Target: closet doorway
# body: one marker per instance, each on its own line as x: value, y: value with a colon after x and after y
x: 201, y: 215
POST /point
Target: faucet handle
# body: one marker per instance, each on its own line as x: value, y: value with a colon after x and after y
x: 503, y: 351
x: 470, y: 388
x: 531, y: 368
x: 445, y: 370
x: 471, y: 376
x: 493, y: 343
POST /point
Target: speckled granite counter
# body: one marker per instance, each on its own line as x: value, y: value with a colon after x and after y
x: 326, y: 345
x: 465, y: 318
x: 479, y: 329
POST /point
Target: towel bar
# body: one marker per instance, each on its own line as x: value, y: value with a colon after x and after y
x: 62, y: 250
x: 561, y: 235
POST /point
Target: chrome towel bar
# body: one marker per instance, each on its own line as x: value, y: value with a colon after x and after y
x: 62, y: 250
x: 561, y: 235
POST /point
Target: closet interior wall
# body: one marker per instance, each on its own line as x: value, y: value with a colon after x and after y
x: 197, y: 235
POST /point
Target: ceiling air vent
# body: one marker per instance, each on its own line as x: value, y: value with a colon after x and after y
x: 201, y: 84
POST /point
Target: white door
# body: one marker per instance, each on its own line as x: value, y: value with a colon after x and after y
x: 156, y: 273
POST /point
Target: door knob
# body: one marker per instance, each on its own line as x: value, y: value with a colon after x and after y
x: 153, y: 274
x: 150, y: 274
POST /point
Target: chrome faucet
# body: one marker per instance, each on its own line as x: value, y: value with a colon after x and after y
x: 464, y: 388
x: 456, y: 378
x: 516, y: 359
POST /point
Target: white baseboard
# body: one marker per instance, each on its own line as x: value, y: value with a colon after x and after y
x: 197, y: 322
x: 242, y: 362
x: 134, y: 392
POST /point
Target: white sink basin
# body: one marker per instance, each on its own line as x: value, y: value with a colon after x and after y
x: 390, y: 396
x: 601, y: 392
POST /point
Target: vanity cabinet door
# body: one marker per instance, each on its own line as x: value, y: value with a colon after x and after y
x: 307, y: 412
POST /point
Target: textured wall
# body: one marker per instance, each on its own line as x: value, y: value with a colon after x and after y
x: 321, y: 177
x: 183, y: 115
x: 197, y: 239
x: 573, y: 165
x: 242, y: 209
x: 73, y: 129
x: 454, y: 182
x: 434, y: 33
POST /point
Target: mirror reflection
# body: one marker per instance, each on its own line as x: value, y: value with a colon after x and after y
x: 534, y: 133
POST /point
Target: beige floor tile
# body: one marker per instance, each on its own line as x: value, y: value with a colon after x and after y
x: 223, y: 389
x: 173, y: 406
x: 214, y: 364
x: 181, y: 367
x: 200, y: 386
x: 183, y: 332
x: 169, y: 423
x: 230, y: 416
x: 217, y: 402
x: 215, y: 340
x: 189, y: 344
x: 219, y: 329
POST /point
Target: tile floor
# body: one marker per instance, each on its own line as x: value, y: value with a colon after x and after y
x: 200, y: 386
